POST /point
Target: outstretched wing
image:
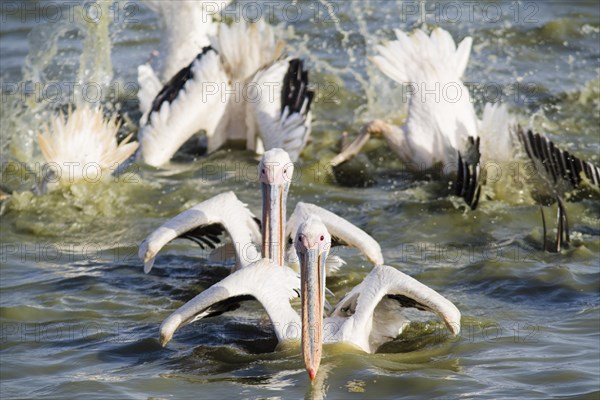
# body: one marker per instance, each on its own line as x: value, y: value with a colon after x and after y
x: 203, y: 224
x: 194, y: 99
x: 375, y: 307
x: 342, y: 232
x: 279, y: 107
x: 559, y: 167
x: 271, y: 284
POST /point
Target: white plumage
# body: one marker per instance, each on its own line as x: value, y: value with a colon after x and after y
x: 186, y: 27
x: 292, y: 127
x: 223, y: 212
x: 269, y: 283
x: 444, y: 129
x: 149, y: 86
x: 368, y: 316
x: 436, y: 127
x: 339, y: 227
x: 83, y: 144
x: 237, y: 90
x: 226, y: 211
x: 160, y: 136
x: 498, y: 144
x: 246, y: 48
x: 441, y: 129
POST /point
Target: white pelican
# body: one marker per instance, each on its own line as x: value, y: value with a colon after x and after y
x: 82, y: 145
x: 435, y: 131
x: 368, y: 316
x: 238, y: 89
x: 204, y: 222
x: 447, y: 130
x: 186, y: 27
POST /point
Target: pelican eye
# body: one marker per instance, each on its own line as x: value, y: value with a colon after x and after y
x: 262, y: 171
x: 322, y: 238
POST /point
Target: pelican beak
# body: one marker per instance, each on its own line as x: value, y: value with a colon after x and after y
x: 274, y: 213
x: 312, y: 271
x: 373, y: 128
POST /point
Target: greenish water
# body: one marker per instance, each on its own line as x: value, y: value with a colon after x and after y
x: 79, y: 318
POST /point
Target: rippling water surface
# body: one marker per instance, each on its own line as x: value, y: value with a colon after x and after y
x: 79, y: 318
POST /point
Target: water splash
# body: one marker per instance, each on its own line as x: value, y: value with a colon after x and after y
x: 77, y: 52
x: 69, y: 62
x: 343, y: 58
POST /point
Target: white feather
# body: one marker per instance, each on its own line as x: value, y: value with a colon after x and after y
x: 224, y: 209
x: 186, y: 27
x: 497, y: 142
x: 83, y: 143
x: 149, y: 86
x: 338, y: 227
x: 272, y: 285
x: 440, y: 115
x: 228, y: 112
x: 245, y: 48
x: 199, y: 105
x: 277, y: 128
x: 367, y: 319
x: 373, y: 321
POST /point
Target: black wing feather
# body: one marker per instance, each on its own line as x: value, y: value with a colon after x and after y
x: 407, y: 302
x: 230, y: 304
x: 171, y: 89
x: 560, y: 165
x: 295, y: 88
x: 468, y: 180
x: 205, y: 235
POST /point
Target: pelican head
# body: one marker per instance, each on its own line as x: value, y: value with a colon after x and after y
x: 275, y: 171
x: 312, y: 245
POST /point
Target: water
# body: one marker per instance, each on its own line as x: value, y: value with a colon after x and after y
x: 79, y: 317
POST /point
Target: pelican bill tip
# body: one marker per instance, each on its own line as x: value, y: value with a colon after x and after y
x: 164, y: 340
x: 148, y: 266
x: 168, y: 328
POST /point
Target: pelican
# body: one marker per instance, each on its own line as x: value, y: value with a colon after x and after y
x: 82, y: 145
x: 448, y: 131
x: 435, y: 132
x: 238, y: 89
x: 368, y: 316
x: 186, y: 27
x: 204, y: 223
